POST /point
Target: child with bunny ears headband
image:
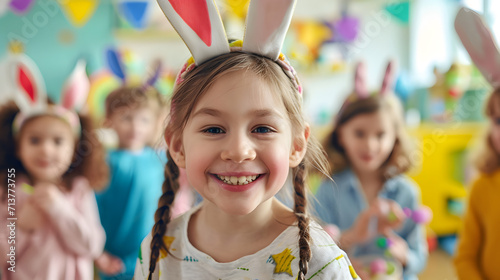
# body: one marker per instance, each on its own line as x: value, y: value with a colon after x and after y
x: 477, y: 252
x: 368, y: 149
x: 50, y: 160
x: 237, y: 128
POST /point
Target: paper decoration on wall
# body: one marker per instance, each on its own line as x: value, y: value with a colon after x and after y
x: 312, y: 34
x: 20, y: 6
x: 345, y: 30
x: 238, y: 8
x: 135, y: 12
x: 79, y: 12
x: 400, y: 11
x: 132, y: 68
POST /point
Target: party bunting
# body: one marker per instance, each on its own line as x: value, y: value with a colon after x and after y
x: 79, y: 12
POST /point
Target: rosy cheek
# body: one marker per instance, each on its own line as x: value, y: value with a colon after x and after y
x: 279, y: 171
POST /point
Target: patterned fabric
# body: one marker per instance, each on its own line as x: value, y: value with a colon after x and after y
x: 279, y: 260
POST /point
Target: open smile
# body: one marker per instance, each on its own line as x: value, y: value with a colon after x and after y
x: 234, y: 180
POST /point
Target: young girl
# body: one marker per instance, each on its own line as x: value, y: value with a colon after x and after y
x: 49, y: 162
x: 477, y: 253
x: 369, y: 152
x: 236, y: 126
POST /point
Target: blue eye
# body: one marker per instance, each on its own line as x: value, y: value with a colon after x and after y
x: 213, y: 130
x: 262, y: 129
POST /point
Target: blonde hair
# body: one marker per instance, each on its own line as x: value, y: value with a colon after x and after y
x: 488, y: 159
x: 398, y: 161
x: 185, y: 98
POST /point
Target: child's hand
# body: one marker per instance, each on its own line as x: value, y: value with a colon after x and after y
x: 30, y: 218
x: 45, y: 195
x: 390, y: 214
x: 399, y: 247
x: 109, y: 264
x: 360, y: 269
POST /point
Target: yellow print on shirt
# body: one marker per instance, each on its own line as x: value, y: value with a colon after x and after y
x: 167, y: 240
x: 284, y: 262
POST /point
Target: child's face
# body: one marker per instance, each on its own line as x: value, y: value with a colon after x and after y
x: 134, y: 126
x: 46, y: 148
x: 368, y: 140
x: 237, y: 144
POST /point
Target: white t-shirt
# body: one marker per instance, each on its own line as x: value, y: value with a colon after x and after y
x: 279, y: 260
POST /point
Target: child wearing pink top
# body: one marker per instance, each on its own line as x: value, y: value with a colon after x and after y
x: 50, y: 158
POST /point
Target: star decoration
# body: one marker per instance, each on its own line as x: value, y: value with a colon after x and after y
x: 283, y: 262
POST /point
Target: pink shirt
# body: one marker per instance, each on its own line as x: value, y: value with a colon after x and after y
x: 65, y: 245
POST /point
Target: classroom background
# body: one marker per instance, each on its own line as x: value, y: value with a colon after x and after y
x: 441, y: 91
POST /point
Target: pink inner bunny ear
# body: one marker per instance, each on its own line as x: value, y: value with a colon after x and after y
x: 196, y: 18
x: 479, y: 43
x: 388, y: 78
x: 360, y: 81
x: 199, y: 24
x: 76, y: 88
x: 266, y: 26
x: 25, y: 82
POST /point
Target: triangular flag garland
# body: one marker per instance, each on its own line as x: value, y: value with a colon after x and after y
x: 135, y: 12
x: 79, y: 12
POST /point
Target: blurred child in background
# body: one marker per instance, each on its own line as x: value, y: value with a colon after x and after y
x: 128, y: 205
x: 49, y: 162
x: 477, y: 253
x: 368, y: 150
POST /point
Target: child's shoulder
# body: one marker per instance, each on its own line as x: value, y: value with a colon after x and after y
x: 485, y: 181
x: 327, y: 259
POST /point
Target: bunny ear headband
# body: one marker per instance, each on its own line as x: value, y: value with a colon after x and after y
x: 200, y: 26
x: 479, y: 43
x: 116, y: 65
x: 28, y: 89
x: 360, y: 88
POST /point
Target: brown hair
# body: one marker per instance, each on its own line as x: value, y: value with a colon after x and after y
x: 398, y: 161
x: 88, y: 159
x: 134, y: 96
x: 489, y: 159
x: 184, y: 99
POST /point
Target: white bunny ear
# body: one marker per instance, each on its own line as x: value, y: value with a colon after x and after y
x: 27, y: 82
x: 199, y: 24
x: 360, y: 80
x: 266, y: 26
x: 388, y: 81
x: 76, y: 88
x: 479, y: 43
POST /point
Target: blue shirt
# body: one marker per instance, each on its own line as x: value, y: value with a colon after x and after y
x: 127, y: 206
x: 340, y: 203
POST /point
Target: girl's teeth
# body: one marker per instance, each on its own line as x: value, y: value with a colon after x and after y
x: 233, y: 180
